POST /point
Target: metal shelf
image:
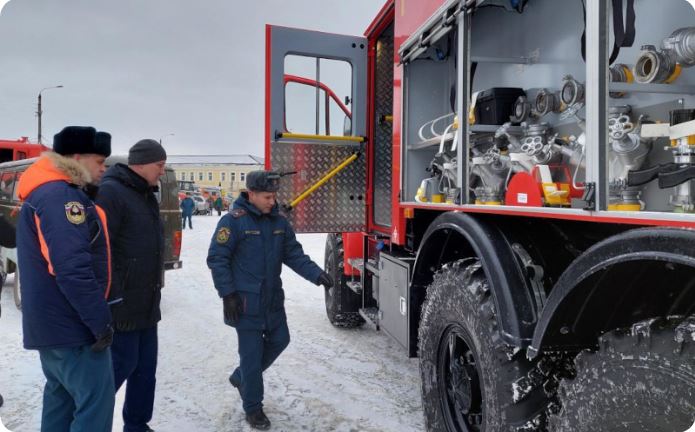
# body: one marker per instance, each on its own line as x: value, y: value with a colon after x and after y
x: 652, y: 88
x: 483, y: 128
x: 474, y: 129
x: 504, y: 60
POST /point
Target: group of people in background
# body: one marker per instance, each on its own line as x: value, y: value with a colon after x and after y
x: 91, y: 254
x: 90, y: 244
x: 188, y: 208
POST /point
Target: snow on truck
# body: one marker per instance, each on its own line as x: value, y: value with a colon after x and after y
x: 509, y: 188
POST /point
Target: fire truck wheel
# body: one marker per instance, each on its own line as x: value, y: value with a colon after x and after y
x: 342, y: 304
x: 640, y: 379
x: 469, y: 375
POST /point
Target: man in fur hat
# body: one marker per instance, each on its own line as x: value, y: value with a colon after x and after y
x: 63, y: 251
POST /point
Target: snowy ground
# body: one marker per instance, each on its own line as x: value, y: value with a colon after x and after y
x: 327, y: 380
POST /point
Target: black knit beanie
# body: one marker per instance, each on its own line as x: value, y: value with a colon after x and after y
x: 146, y: 151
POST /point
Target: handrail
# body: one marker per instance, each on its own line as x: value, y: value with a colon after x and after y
x: 357, y: 139
x: 311, y: 189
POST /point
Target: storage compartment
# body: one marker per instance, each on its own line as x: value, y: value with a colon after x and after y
x: 394, y: 294
x: 527, y: 143
x: 494, y: 106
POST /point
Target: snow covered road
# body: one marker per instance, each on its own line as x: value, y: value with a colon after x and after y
x: 327, y: 380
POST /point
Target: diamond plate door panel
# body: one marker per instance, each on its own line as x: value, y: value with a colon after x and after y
x: 383, y: 133
x: 338, y: 205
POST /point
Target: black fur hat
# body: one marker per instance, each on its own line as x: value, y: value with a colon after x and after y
x: 103, y: 143
x: 80, y: 140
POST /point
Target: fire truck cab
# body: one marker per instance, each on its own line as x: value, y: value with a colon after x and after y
x: 509, y: 192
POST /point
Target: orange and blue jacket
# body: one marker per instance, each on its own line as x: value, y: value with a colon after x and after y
x: 63, y: 257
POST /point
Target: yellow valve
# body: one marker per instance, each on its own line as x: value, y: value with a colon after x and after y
x: 554, y: 196
x: 624, y: 207
x: 674, y: 76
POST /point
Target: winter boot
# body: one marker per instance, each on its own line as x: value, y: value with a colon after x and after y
x: 235, y: 383
x: 258, y: 420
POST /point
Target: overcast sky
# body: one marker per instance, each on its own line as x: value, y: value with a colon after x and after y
x: 148, y: 68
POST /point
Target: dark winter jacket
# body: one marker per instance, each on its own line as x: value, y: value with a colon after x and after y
x: 187, y: 206
x: 8, y: 236
x: 246, y: 255
x: 63, y: 256
x: 137, y: 248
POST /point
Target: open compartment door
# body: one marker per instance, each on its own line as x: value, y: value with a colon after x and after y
x: 316, y: 112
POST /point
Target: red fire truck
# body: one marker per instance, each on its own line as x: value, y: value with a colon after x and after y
x: 509, y: 192
x: 19, y: 149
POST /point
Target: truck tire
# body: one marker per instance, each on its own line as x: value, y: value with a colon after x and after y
x: 469, y: 374
x: 342, y: 303
x: 640, y: 379
x: 16, y: 289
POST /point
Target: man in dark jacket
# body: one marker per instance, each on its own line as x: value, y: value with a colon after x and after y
x: 137, y: 246
x: 62, y: 249
x: 187, y: 206
x: 246, y: 255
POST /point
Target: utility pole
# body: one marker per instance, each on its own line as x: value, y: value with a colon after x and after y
x: 39, y: 112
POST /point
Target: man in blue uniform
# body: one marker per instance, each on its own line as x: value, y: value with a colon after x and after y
x: 187, y: 206
x: 63, y: 254
x: 246, y: 254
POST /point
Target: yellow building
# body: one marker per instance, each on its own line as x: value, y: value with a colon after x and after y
x: 225, y: 172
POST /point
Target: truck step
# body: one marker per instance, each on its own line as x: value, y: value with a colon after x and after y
x: 371, y: 316
x: 358, y: 264
x: 355, y: 286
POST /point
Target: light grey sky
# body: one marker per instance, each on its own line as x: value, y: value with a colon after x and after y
x: 147, y: 68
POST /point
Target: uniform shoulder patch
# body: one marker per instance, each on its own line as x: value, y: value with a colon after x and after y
x: 237, y: 213
x: 75, y: 212
x: 223, y: 235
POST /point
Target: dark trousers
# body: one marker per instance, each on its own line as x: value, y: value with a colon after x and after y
x: 79, y: 394
x: 135, y: 360
x: 190, y: 223
x: 258, y: 350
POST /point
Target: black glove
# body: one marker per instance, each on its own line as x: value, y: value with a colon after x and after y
x: 104, y: 340
x: 232, y: 307
x: 325, y: 279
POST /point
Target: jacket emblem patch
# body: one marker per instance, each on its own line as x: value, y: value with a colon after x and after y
x: 238, y: 212
x: 223, y: 235
x: 75, y: 212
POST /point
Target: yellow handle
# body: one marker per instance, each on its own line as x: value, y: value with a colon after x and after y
x: 357, y: 139
x: 322, y: 181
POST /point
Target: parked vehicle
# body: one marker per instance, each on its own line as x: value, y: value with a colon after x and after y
x: 491, y: 202
x: 201, y: 205
x: 10, y: 172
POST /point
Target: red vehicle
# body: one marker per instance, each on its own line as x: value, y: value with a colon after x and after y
x: 508, y: 198
x: 19, y: 149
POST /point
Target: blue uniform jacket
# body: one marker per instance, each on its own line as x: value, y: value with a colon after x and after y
x: 246, y: 256
x: 187, y: 206
x: 63, y: 257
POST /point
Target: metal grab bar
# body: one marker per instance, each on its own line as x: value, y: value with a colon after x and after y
x: 357, y: 139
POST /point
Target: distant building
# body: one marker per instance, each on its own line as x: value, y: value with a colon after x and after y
x: 227, y: 172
